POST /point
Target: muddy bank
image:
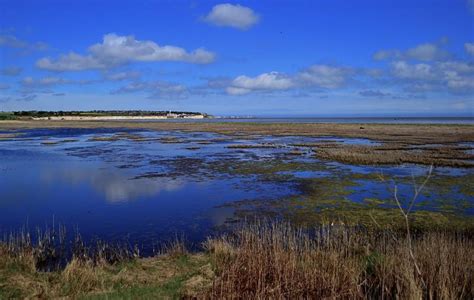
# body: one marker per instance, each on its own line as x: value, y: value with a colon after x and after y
x: 408, y: 133
x: 390, y: 144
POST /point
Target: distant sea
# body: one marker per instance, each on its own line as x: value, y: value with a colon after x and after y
x: 374, y: 120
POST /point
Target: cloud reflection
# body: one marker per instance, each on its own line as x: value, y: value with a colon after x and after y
x: 115, y: 186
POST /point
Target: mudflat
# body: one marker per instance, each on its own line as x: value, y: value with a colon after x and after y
x: 427, y: 144
x: 409, y: 133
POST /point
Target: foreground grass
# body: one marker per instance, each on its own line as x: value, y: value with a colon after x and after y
x: 264, y: 260
x: 164, y: 276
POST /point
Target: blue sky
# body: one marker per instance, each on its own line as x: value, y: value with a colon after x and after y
x: 308, y: 58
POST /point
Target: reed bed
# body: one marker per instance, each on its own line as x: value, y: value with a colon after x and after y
x: 277, y: 261
x: 258, y: 260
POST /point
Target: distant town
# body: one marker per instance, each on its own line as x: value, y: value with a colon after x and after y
x: 101, y: 115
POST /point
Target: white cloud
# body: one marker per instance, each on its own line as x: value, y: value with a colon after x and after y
x: 118, y: 50
x: 402, y: 69
x: 236, y: 16
x: 263, y: 82
x: 426, y: 52
x: 422, y: 52
x: 236, y: 91
x: 457, y: 66
x: 457, y: 82
x: 155, y: 89
x: 387, y: 54
x: 320, y: 76
x: 453, y: 76
x: 70, y: 62
x: 13, y: 42
x: 429, y: 68
x: 127, y: 75
x: 11, y: 71
x: 469, y: 47
x: 31, y: 83
x: 324, y: 76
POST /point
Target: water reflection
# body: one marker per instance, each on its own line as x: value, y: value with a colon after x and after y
x: 115, y: 185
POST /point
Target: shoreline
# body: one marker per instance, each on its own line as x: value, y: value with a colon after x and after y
x: 377, y: 131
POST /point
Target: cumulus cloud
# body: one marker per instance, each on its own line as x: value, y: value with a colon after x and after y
x: 453, y: 76
x: 155, y: 89
x: 422, y: 52
x: 11, y: 71
x: 266, y: 81
x: 118, y: 50
x: 469, y: 47
x: 402, y: 69
x: 411, y: 77
x: 428, y: 68
x: 230, y: 15
x: 426, y: 52
x: 71, y: 62
x: 316, y: 76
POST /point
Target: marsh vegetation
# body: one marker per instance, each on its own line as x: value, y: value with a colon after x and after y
x: 260, y: 260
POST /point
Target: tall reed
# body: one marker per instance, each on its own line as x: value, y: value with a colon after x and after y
x: 274, y: 260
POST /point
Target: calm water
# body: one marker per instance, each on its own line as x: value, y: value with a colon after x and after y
x: 164, y: 184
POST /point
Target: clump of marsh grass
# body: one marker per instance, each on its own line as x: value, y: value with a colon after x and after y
x: 49, y: 249
x: 175, y: 248
x: 452, y: 156
x: 276, y: 260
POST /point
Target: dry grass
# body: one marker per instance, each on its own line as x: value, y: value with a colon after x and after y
x: 163, y: 276
x: 276, y: 261
x: 263, y: 261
